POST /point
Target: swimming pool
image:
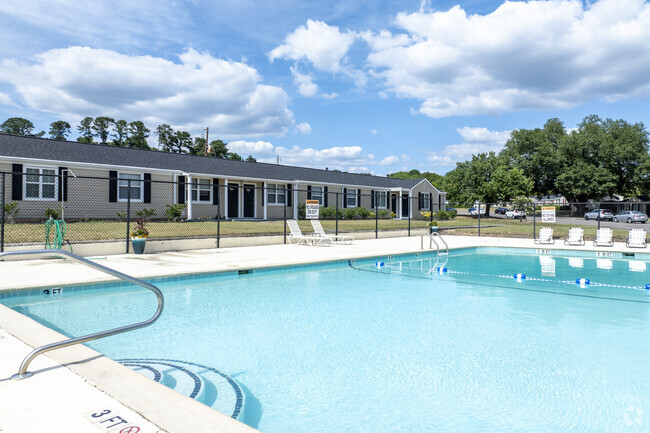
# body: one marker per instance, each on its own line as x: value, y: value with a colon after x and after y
x: 359, y: 347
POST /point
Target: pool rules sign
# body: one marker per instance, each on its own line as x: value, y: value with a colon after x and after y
x: 548, y: 214
x: 311, y: 209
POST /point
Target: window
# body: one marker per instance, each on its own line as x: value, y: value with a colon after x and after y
x: 317, y: 194
x: 351, y: 198
x: 201, y: 190
x: 275, y: 193
x: 40, y: 184
x: 123, y: 187
x: 425, y: 201
x: 381, y: 198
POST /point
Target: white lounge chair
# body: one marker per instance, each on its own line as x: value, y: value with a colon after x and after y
x: 636, y: 239
x: 576, y: 236
x: 337, y: 239
x: 604, y: 238
x: 545, y: 236
x: 296, y: 237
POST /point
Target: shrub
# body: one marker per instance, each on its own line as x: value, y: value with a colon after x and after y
x: 52, y: 213
x: 301, y: 211
x: 363, y: 212
x: 140, y: 231
x: 393, y: 215
x: 446, y: 214
x: 329, y: 213
x: 122, y: 215
x: 174, y: 211
x: 146, y: 214
x: 349, y: 213
x: 426, y: 215
x: 11, y: 209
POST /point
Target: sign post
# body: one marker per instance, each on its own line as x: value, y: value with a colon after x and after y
x: 311, y: 209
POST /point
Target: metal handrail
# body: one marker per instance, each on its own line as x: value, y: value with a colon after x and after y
x: 432, y: 239
x: 22, y: 372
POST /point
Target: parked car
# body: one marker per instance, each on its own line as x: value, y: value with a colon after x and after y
x: 473, y: 211
x: 605, y: 214
x: 449, y: 208
x: 631, y: 216
x: 516, y: 213
x: 500, y: 211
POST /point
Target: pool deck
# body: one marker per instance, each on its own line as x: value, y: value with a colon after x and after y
x: 73, y: 383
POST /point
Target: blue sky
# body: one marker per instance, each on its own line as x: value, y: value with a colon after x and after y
x: 362, y: 86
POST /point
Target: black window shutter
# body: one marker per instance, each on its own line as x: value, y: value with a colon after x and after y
x: 63, y: 184
x: 112, y: 186
x: 181, y: 189
x: 17, y: 182
x: 359, y: 197
x: 345, y: 197
x: 263, y: 193
x: 147, y: 187
x: 215, y: 191
x: 372, y: 199
x: 420, y: 201
x: 308, y: 192
x: 325, y: 196
x: 289, y: 194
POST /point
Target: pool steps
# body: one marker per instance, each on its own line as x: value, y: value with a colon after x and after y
x: 204, y: 384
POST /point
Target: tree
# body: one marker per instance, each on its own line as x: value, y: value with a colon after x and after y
x: 251, y: 159
x: 101, y: 125
x: 435, y: 179
x: 137, y: 135
x: 508, y: 183
x: 86, y: 130
x: 472, y: 180
x: 218, y: 149
x: 17, y: 126
x: 165, y: 134
x: 59, y: 130
x: 199, y: 147
x: 175, y: 141
x: 121, y: 133
x: 234, y: 156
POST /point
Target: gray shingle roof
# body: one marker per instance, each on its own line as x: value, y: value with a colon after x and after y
x: 55, y: 150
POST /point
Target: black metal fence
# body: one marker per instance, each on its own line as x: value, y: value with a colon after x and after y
x: 57, y: 208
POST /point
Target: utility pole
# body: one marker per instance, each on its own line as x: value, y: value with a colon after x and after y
x: 207, y: 131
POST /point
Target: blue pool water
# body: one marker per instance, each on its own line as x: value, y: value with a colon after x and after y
x: 400, y: 348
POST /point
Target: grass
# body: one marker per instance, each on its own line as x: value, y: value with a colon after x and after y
x: 115, y: 230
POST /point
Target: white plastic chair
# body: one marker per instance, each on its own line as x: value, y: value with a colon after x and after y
x: 636, y: 239
x: 545, y: 236
x: 576, y: 236
x: 297, y: 238
x: 337, y: 239
x: 604, y: 238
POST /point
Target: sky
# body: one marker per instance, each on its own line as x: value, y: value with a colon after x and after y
x: 357, y: 85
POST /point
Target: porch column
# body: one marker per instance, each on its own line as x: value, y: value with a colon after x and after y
x: 295, y: 201
x: 189, y: 196
x: 225, y: 199
x: 265, y: 200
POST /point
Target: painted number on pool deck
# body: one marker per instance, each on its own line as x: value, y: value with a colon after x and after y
x: 110, y: 421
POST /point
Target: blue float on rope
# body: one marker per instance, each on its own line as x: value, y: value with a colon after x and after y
x: 582, y: 282
x: 647, y: 286
x: 519, y: 277
x: 441, y: 270
x: 380, y: 265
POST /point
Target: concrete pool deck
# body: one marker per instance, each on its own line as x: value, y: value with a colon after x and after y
x: 73, y: 383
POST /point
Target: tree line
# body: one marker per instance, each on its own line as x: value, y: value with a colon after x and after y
x: 121, y: 133
x: 598, y: 159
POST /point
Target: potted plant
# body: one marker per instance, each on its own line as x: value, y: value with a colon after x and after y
x: 434, y: 226
x: 139, y: 236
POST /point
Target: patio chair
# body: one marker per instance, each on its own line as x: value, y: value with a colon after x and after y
x: 636, y: 239
x: 545, y: 236
x: 576, y: 236
x: 604, y: 238
x: 337, y: 239
x: 297, y: 238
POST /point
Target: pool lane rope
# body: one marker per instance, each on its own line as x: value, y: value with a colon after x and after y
x: 581, y: 282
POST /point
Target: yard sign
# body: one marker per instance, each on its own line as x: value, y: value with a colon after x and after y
x: 548, y: 214
x: 311, y: 209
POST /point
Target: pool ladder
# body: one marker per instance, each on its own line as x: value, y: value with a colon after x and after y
x: 22, y: 372
x: 433, y: 241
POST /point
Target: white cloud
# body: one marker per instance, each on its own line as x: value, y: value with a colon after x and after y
x: 524, y: 55
x: 333, y: 157
x: 199, y: 91
x: 373, y: 131
x: 476, y: 140
x: 6, y: 100
x: 389, y: 160
x: 304, y: 128
x: 254, y: 148
x: 305, y: 83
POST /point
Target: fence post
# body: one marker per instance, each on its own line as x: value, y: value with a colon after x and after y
x: 376, y: 217
x: 478, y: 211
x: 337, y: 214
x: 128, y: 211
x: 286, y: 193
x: 408, y: 209
x: 2, y: 210
x: 534, y: 219
x: 218, y: 215
x: 598, y: 216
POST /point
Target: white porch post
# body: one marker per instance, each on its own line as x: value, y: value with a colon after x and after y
x: 225, y: 199
x: 295, y: 201
x: 189, y: 196
x: 265, y: 201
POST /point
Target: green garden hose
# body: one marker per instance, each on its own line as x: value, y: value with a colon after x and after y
x: 57, y: 229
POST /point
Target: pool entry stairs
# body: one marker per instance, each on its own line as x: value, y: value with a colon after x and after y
x: 201, y: 383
